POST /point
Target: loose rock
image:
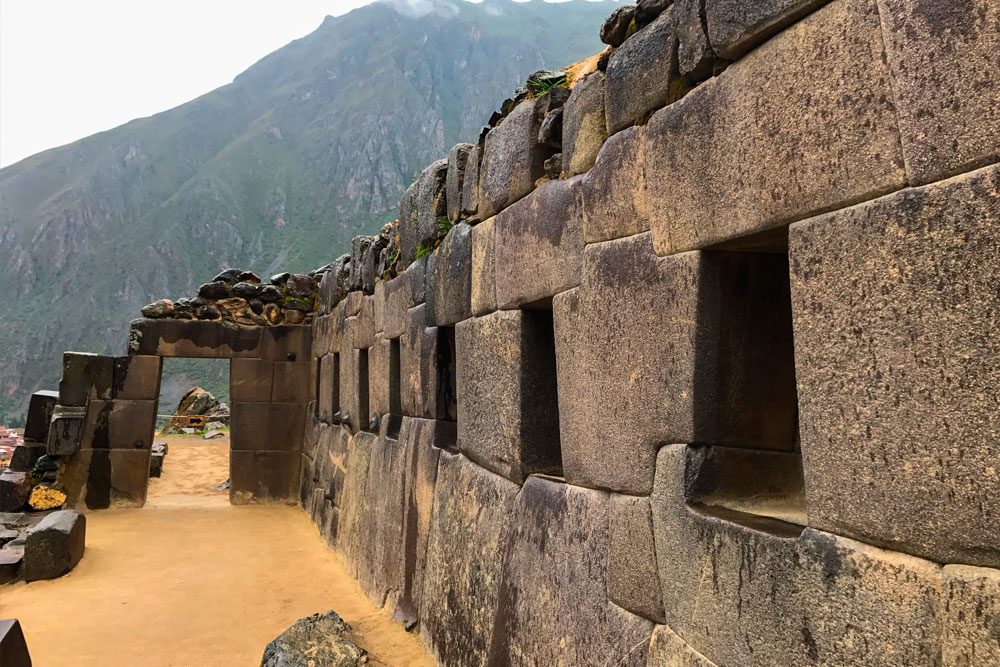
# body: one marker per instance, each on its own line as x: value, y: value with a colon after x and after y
x: 320, y: 639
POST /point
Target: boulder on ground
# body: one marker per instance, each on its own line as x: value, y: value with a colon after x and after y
x: 196, y: 402
x: 320, y: 639
x: 14, y: 490
x: 55, y: 545
x: 13, y: 648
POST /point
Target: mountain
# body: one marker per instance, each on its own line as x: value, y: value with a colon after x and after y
x: 309, y: 147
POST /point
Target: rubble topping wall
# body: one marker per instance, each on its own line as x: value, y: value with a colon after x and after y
x: 692, y: 358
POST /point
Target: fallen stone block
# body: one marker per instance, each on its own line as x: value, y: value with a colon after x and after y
x: 539, y: 244
x: 613, y: 193
x: 468, y: 531
x: 261, y: 476
x: 13, y: 648
x: 892, y: 293
x: 512, y: 158
x: 54, y: 545
x: 946, y: 84
x: 14, y: 490
x: 449, y: 284
x: 23, y: 458
x: 552, y: 604
x: 320, y: 639
x: 584, y: 127
x: 642, y: 74
x: 40, y: 407
x: 85, y: 376
x: 136, y: 377
x: 11, y: 564
x: 508, y: 417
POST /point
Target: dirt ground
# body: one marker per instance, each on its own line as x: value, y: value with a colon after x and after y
x: 191, y: 581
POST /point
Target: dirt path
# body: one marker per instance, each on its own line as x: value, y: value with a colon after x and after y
x: 191, y: 581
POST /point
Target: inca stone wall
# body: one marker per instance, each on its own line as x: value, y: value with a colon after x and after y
x: 692, y: 358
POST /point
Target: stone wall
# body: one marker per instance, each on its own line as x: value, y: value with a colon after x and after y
x: 693, y: 362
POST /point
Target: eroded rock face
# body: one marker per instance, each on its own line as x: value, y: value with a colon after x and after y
x: 615, y: 29
x: 321, y: 639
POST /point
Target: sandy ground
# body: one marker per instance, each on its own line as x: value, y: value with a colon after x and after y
x: 191, y: 581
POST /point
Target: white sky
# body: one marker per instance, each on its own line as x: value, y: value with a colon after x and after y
x: 70, y: 68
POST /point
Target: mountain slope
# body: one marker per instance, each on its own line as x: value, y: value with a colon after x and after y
x: 307, y: 148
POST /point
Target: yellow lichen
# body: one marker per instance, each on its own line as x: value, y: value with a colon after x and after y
x: 45, y: 498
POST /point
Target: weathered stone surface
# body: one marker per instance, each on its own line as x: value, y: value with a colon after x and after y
x: 450, y: 282
x: 615, y: 28
x: 943, y: 62
x: 286, y: 343
x: 470, y: 184
x: 646, y: 11
x: 40, y: 407
x: 54, y: 545
x: 468, y: 531
x: 896, y: 294
x: 508, y: 417
x: 354, y: 538
x: 584, y: 127
x: 698, y: 344
x: 402, y: 293
x: 819, y: 123
x: 261, y: 476
x: 270, y: 426
x: 360, y: 247
x: 852, y: 604
x: 483, y: 295
x: 194, y: 338
x: 633, y: 582
x: 334, y: 284
x: 328, y: 400
x: 13, y: 648
x: 458, y: 157
x: 642, y: 74
x: 426, y: 360
x: 354, y: 389
x: 23, y: 458
x: 320, y: 639
x: 383, y: 377
x: 85, y: 376
x: 14, y: 490
x: 613, y: 193
x: 136, y: 377
x: 65, y: 431
x: 695, y: 56
x: 540, y: 236
x: 294, y: 382
x: 512, y: 159
x: 250, y: 380
x: 419, y: 211
x: 322, y: 335
x: 119, y: 425
x: 378, y: 302
x: 102, y: 478
x: 736, y: 26
x: 666, y: 649
x: 971, y: 611
x: 552, y: 605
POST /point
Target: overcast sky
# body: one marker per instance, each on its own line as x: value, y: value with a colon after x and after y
x: 70, y: 68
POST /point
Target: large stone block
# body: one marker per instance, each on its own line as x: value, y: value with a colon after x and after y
x: 613, y: 194
x: 378, y: 305
x: 633, y: 582
x: 458, y: 158
x: 642, y: 74
x: 508, y: 417
x: 468, y: 533
x: 289, y: 342
x: 250, y: 380
x: 483, y: 295
x: 353, y: 391
x: 360, y: 255
x: 40, y: 408
x: 194, y: 338
x: 328, y: 398
x: 362, y: 326
x: 449, y: 284
x: 354, y: 537
x: 732, y: 581
x: 789, y: 131
x: 294, y: 382
x: 268, y: 426
x: 383, y: 377
x: 690, y: 348
x: 85, y: 376
x: 512, y: 158
x: 426, y: 363
x: 137, y: 377
x: 666, y: 649
x: 971, y: 615
x: 470, y: 184
x: 333, y: 287
x: 119, y: 425
x: 402, y: 293
x: 538, y: 244
x: 552, y: 606
x: 584, y: 127
x: 65, y: 431
x: 421, y: 206
x: 737, y: 26
x: 261, y: 476
x: 947, y: 84
x: 54, y: 545
x: 897, y: 294
x: 103, y: 478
